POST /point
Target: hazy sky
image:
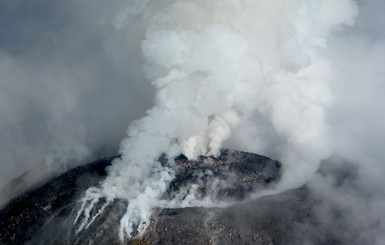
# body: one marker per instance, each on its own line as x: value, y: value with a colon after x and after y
x: 70, y: 83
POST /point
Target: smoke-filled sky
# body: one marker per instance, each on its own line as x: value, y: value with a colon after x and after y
x: 74, y: 74
x: 69, y: 86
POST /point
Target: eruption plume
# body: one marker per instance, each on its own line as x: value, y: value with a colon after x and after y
x: 215, y: 65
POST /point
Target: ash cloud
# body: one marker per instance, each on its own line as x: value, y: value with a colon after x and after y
x: 212, y: 73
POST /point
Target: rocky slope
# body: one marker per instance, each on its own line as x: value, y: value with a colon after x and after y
x: 46, y: 214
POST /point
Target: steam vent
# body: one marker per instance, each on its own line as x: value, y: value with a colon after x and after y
x: 47, y: 214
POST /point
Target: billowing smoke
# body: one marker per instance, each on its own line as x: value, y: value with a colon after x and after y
x: 215, y: 65
x: 298, y: 81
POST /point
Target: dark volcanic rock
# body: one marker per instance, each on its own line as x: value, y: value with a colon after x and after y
x: 25, y: 215
x: 46, y: 214
x: 238, y: 173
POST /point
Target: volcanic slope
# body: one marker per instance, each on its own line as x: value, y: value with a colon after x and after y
x: 46, y: 214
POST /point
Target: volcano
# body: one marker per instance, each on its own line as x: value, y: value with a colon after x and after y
x: 47, y: 214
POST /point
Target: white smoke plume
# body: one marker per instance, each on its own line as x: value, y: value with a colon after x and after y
x: 216, y: 64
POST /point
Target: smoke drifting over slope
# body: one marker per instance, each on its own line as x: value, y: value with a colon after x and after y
x: 295, y: 80
x: 214, y: 65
